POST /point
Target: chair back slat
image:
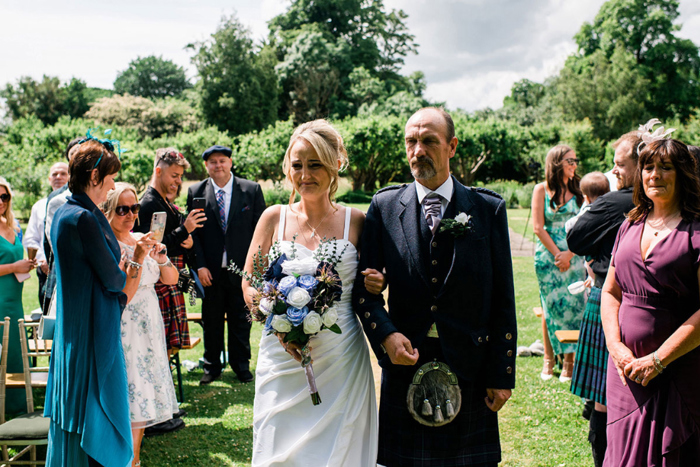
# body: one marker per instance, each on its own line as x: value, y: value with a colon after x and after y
x: 3, y: 365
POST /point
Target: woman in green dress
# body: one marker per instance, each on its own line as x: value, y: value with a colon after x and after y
x: 555, y: 201
x: 11, y: 253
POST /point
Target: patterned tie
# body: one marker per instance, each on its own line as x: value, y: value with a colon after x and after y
x: 222, y: 207
x: 433, y: 206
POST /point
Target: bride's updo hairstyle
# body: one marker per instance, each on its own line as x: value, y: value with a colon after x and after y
x: 329, y: 147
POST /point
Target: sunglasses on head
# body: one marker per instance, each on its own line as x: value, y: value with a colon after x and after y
x: 172, y: 155
x: 5, y: 197
x: 124, y: 210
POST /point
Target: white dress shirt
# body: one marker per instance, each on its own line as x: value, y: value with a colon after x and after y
x: 228, y: 190
x: 445, y: 191
x: 34, y: 236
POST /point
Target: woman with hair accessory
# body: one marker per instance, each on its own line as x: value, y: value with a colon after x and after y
x: 287, y: 428
x: 86, y: 395
x: 651, y: 313
x: 11, y: 264
x: 151, y: 391
x: 555, y: 201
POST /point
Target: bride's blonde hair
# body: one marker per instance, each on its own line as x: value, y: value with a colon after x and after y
x: 329, y: 147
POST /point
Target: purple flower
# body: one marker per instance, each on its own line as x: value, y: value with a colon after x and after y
x: 286, y: 284
x: 269, y: 286
x: 308, y: 283
x: 297, y: 315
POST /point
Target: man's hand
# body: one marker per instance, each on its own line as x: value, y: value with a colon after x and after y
x: 188, y: 243
x: 400, y: 350
x: 204, y: 276
x: 44, y: 268
x: 496, y: 398
x: 195, y: 220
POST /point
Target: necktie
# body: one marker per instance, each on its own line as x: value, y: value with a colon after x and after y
x: 433, y: 206
x: 222, y: 207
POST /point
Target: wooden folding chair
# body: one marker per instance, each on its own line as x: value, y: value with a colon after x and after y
x: 29, y: 430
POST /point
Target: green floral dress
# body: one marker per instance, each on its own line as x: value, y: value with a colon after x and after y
x: 562, y: 310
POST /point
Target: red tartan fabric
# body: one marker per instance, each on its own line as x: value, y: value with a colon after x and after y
x: 173, y: 310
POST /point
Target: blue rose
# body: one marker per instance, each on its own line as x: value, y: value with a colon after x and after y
x: 297, y: 315
x: 286, y: 284
x: 274, y: 271
x: 308, y: 283
x: 268, y: 323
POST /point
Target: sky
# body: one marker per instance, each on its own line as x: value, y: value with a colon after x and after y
x: 471, y: 51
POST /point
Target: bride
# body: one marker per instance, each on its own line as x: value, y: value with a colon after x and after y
x: 287, y: 429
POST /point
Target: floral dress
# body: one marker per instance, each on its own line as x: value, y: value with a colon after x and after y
x: 151, y: 391
x: 562, y: 310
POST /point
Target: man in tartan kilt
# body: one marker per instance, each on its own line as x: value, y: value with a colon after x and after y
x: 451, y: 301
x: 593, y: 236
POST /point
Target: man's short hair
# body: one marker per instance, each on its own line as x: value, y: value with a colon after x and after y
x: 449, y: 123
x: 632, y: 138
x: 595, y: 184
x: 168, y: 157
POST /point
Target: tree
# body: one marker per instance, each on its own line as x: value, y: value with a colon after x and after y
x: 238, y: 88
x: 152, y: 77
x: 646, y: 30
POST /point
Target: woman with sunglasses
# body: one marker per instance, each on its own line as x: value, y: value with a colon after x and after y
x: 11, y: 262
x: 151, y: 392
x: 555, y: 201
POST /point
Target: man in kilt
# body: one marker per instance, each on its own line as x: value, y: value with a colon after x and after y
x: 593, y: 236
x: 445, y: 251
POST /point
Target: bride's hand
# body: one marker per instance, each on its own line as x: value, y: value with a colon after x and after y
x: 291, y: 348
x: 374, y: 281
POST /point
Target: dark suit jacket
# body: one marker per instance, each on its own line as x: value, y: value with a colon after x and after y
x: 247, y: 205
x: 594, y: 233
x: 474, y: 310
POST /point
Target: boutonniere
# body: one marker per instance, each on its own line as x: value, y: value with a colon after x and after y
x: 460, y: 225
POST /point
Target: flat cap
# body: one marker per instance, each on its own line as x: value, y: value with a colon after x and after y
x: 222, y: 149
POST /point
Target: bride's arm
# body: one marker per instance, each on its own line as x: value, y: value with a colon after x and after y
x: 263, y: 237
x: 375, y: 282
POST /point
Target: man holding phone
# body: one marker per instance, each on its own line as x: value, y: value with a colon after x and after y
x: 232, y: 206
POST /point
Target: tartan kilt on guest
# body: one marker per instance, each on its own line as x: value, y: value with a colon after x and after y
x: 591, y: 366
x: 470, y: 439
x: 173, y: 310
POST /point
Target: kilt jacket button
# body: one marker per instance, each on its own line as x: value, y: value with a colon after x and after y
x: 509, y: 336
x: 480, y: 339
x: 509, y: 353
x: 367, y: 315
x: 509, y: 370
x: 362, y: 300
x: 373, y: 325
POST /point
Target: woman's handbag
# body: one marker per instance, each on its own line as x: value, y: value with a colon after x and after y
x: 434, y: 396
x: 48, y: 321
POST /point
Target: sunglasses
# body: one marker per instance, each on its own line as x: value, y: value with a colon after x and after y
x: 572, y: 161
x: 172, y: 155
x: 124, y: 210
x: 5, y: 197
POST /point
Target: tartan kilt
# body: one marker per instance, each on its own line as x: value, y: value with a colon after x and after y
x: 173, y: 310
x: 591, y: 366
x: 470, y: 439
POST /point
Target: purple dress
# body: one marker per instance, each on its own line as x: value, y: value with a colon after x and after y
x: 657, y: 425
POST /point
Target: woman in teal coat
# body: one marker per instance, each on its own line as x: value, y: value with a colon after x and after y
x: 86, y: 397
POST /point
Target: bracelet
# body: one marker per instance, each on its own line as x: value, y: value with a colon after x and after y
x: 165, y: 263
x: 658, y: 366
x: 135, y: 265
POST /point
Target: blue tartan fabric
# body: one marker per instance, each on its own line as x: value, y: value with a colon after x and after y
x: 470, y: 439
x: 592, y: 355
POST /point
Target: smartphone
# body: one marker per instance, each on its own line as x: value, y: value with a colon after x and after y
x: 158, y: 225
x: 199, y: 203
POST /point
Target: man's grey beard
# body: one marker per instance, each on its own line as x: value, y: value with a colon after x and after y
x: 424, y: 171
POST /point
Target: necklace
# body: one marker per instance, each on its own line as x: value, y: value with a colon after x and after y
x: 313, y: 229
x: 661, y: 224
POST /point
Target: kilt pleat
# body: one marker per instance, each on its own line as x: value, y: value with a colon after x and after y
x: 174, y: 310
x: 592, y: 355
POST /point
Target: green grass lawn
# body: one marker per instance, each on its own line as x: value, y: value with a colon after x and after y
x: 540, y: 426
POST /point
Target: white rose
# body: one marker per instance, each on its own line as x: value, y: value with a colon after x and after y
x: 298, y: 297
x: 281, y: 323
x: 330, y: 317
x: 300, y: 266
x: 462, y: 218
x: 312, y: 323
x: 266, y: 305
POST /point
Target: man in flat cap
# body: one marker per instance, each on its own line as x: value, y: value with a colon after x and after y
x: 232, y: 206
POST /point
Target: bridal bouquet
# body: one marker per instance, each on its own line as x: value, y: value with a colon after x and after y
x: 295, y: 297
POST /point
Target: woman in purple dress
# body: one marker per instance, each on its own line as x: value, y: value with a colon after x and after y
x: 650, y: 313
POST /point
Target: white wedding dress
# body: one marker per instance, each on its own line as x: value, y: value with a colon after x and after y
x: 342, y: 431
